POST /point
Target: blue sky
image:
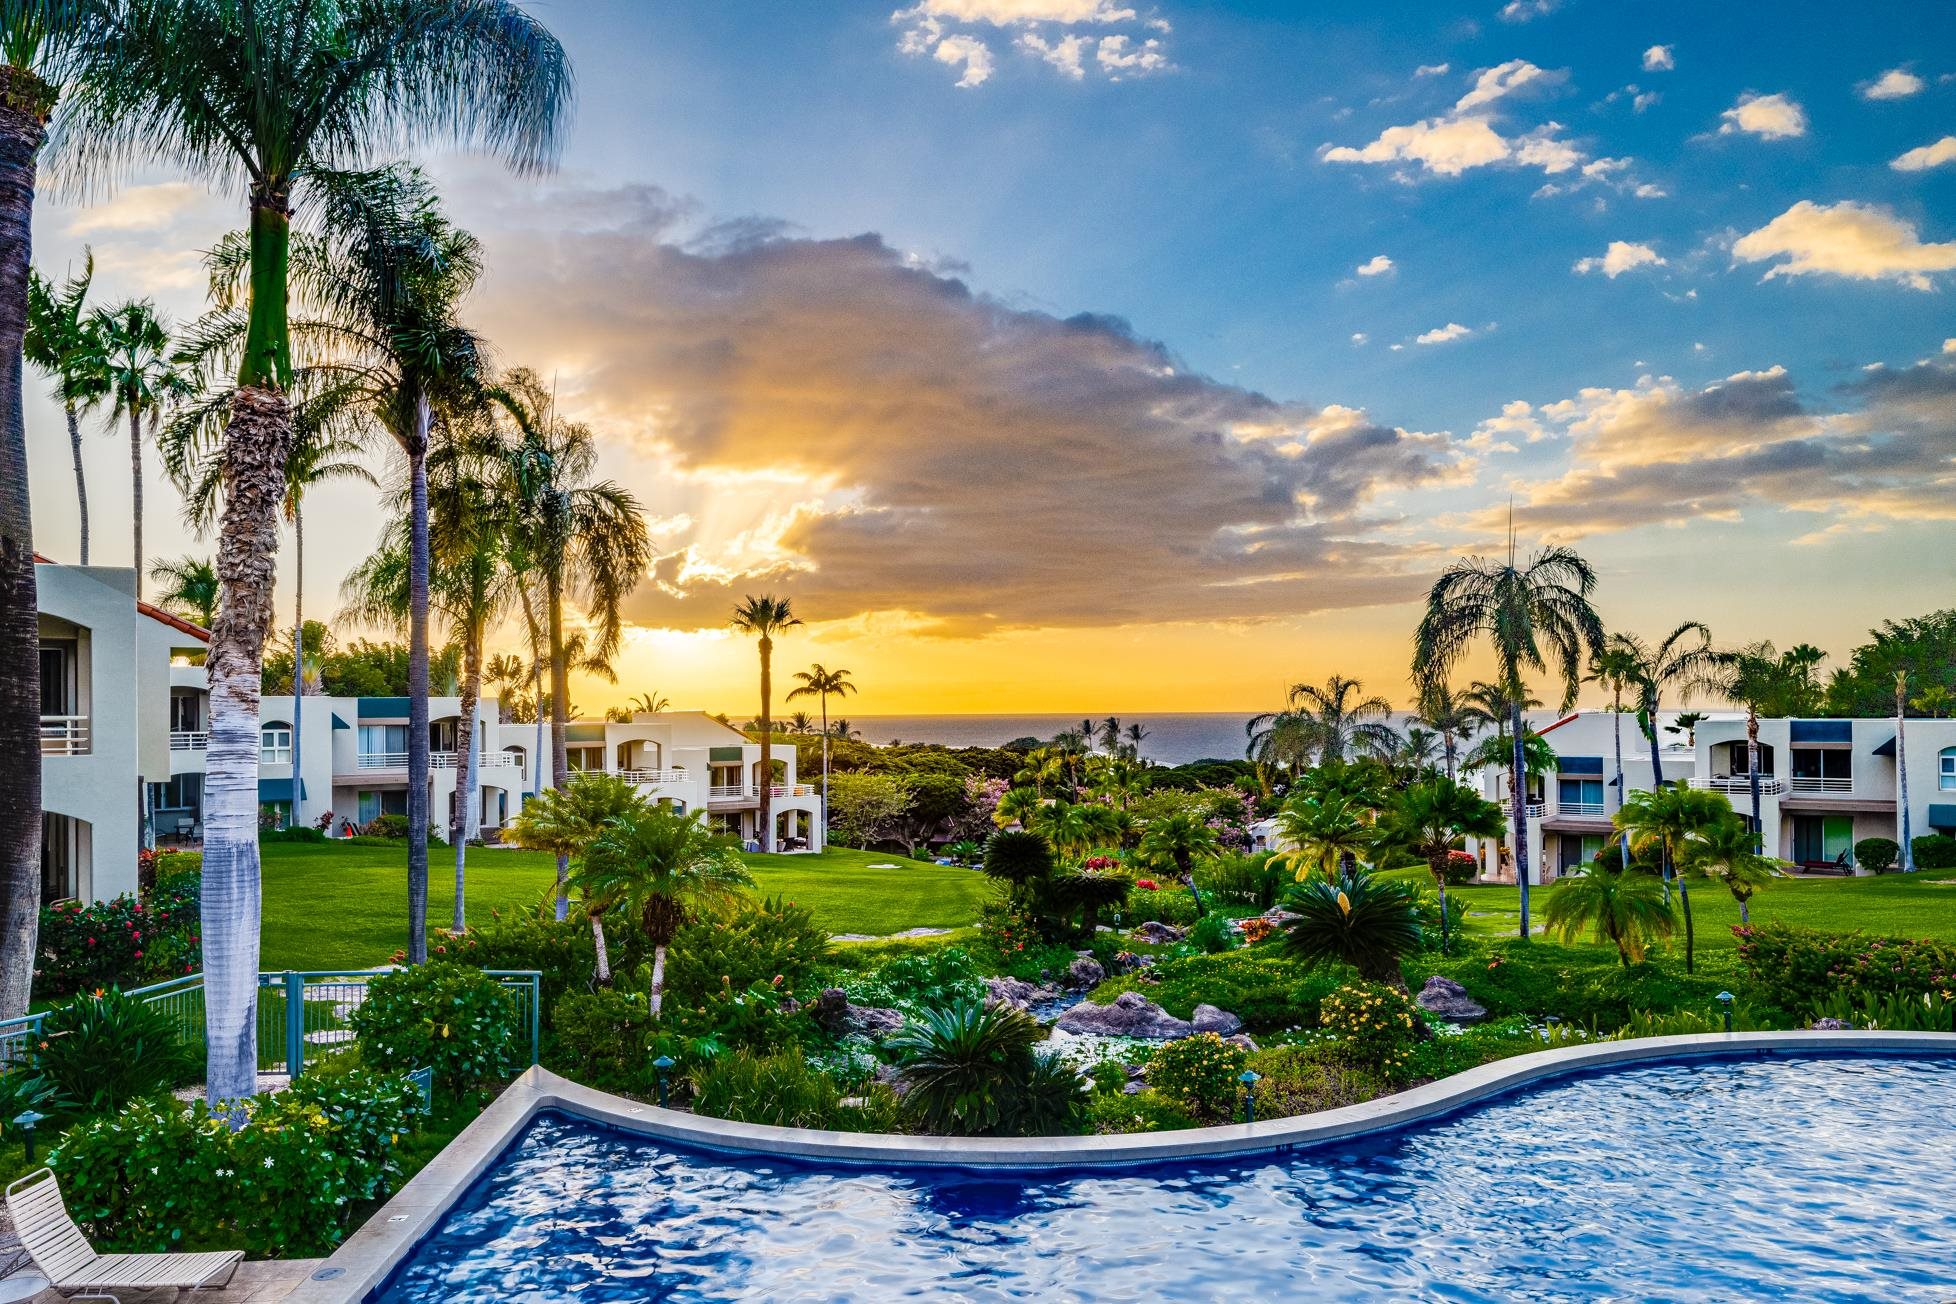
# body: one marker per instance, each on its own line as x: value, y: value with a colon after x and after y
x: 1035, y: 344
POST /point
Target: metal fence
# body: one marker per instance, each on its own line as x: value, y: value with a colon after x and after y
x: 300, y: 1013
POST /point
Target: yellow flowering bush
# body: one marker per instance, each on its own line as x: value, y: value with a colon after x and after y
x: 1200, y: 1074
x: 1374, y: 1027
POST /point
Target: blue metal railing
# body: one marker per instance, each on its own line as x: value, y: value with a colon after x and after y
x: 298, y: 1010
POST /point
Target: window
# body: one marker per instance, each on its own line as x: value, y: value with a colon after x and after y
x: 1580, y: 796
x: 1946, y: 776
x: 275, y: 744
x: 580, y: 759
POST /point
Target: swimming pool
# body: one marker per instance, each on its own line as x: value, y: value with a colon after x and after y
x: 1779, y: 1177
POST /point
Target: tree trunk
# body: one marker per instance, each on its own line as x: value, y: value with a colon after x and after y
x: 81, y: 484
x: 1452, y: 748
x: 604, y: 954
x: 21, y: 132
x: 825, y: 771
x: 1745, y: 912
x: 1752, y: 764
x: 466, y: 824
x: 418, y: 759
x: 136, y: 489
x: 767, y: 745
x: 1684, y: 903
x: 1518, y: 784
x: 559, y: 717
x: 1439, y: 868
x: 256, y: 445
x: 656, y: 1001
x: 1616, y: 721
x: 298, y: 665
x: 1901, y: 776
x: 1650, y: 729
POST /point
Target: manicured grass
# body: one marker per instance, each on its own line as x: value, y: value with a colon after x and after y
x: 347, y: 906
x: 1898, y: 905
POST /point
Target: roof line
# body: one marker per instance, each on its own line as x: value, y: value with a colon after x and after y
x: 175, y: 622
x: 1559, y: 723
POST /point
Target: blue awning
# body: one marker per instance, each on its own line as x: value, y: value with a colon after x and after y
x: 278, y: 789
x: 1886, y: 749
x: 1943, y: 817
x: 339, y: 723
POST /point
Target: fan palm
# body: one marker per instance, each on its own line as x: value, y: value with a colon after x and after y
x: 1665, y: 820
x: 660, y: 867
x: 567, y: 820
x: 1178, y: 840
x: 1427, y: 820
x: 64, y: 341
x: 260, y: 96
x: 1536, y: 617
x: 764, y: 617
x: 1623, y: 906
x: 1728, y: 853
x: 1366, y: 922
x: 189, y: 588
x: 142, y: 379
x: 1683, y: 659
x: 819, y: 681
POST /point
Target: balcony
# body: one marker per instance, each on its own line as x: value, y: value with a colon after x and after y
x: 1589, y: 809
x: 652, y: 778
x: 64, y: 735
x: 190, y: 740
x: 399, y: 760
x: 732, y: 794
x: 1534, y: 810
x: 792, y: 790
x: 1839, y: 785
x: 1770, y: 785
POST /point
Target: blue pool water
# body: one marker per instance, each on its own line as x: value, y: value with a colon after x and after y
x: 1778, y: 1178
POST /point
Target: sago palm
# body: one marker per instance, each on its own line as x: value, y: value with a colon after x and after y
x: 64, y: 343
x: 258, y: 96
x: 820, y: 682
x: 142, y: 379
x: 764, y: 617
x: 969, y: 1070
x: 1533, y: 618
x: 1625, y: 907
x: 660, y: 867
x: 567, y: 821
x: 1366, y: 922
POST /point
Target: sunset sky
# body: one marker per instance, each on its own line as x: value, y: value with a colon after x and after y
x: 1073, y: 355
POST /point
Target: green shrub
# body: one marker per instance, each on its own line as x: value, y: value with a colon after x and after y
x: 1798, y: 969
x: 1261, y: 985
x: 444, y: 1016
x: 306, y: 833
x: 385, y: 826
x: 971, y: 1071
x: 1439, y: 1057
x: 753, y: 942
x: 783, y: 1090
x: 23, y: 1089
x: 1200, y: 1074
x: 1934, y: 851
x: 1683, y: 1023
x: 1877, y: 855
x: 1896, y: 1012
x: 599, y: 1038
x: 757, y: 1017
x: 124, y: 941
x: 165, y: 1175
x: 1212, y: 935
x: 1583, y: 985
x: 1254, y: 881
x: 923, y: 980
x: 103, y: 1051
x: 561, y: 950
x: 1375, y: 1027
x: 1149, y: 1111
x: 1168, y: 903
x: 1304, y: 1080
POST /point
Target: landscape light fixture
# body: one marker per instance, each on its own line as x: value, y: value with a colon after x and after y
x: 664, y: 1064
x: 1249, y: 1078
x: 1725, y: 999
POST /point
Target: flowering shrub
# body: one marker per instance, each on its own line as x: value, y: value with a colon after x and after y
x: 165, y: 1175
x: 755, y: 942
x: 1257, y: 928
x: 1101, y: 864
x: 1801, y: 969
x: 1461, y: 868
x: 444, y: 1016
x: 1147, y: 885
x: 1199, y: 1073
x: 105, y: 1049
x: 125, y: 941
x: 1374, y: 1026
x: 1008, y: 932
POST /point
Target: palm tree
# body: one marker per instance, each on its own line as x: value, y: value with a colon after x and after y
x: 1177, y: 840
x: 189, y: 588
x: 1684, y: 659
x: 1326, y: 835
x: 841, y: 729
x: 650, y: 702
x: 1137, y: 733
x: 1615, y: 667
x: 819, y: 681
x: 1110, y: 733
x: 1335, y: 720
x: 1017, y: 806
x: 1753, y: 677
x: 1665, y: 820
x: 1427, y: 820
x: 1536, y: 618
x: 1618, y: 905
x: 1728, y: 852
x: 262, y: 96
x: 1450, y: 717
x: 764, y: 617
x: 1901, y: 770
x: 583, y: 538
x: 63, y: 340
x: 506, y: 673
x: 662, y: 867
x: 567, y: 820
x: 1366, y: 922
x: 142, y: 378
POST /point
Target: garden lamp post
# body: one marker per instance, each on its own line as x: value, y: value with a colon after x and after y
x: 27, y: 1122
x: 1725, y: 999
x: 664, y: 1065
x: 1249, y: 1078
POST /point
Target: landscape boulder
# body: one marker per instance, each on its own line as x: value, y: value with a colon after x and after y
x: 1156, y: 933
x: 1447, y: 999
x: 1221, y: 1022
x: 839, y: 1018
x: 1015, y: 992
x: 1084, y: 973
x: 1130, y: 1015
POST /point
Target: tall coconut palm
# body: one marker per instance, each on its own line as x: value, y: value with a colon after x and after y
x: 820, y: 682
x: 1333, y: 721
x: 567, y: 820
x: 1536, y: 617
x: 1614, y: 904
x: 583, y: 538
x: 1615, y: 667
x: 764, y: 617
x: 1450, y: 717
x: 1136, y: 734
x: 63, y: 341
x: 1428, y: 818
x: 662, y: 867
x: 1683, y: 659
x: 142, y: 379
x: 1754, y: 677
x: 1664, y: 821
x: 652, y: 702
x: 259, y: 97
x: 1901, y: 770
x: 189, y: 588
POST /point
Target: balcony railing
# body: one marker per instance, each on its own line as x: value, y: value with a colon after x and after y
x: 655, y: 777
x: 792, y: 790
x: 1770, y: 785
x: 731, y: 792
x: 1534, y: 809
x: 1580, y: 808
x: 64, y: 735
x: 1820, y: 783
x: 190, y: 740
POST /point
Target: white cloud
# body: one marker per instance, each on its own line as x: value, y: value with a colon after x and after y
x: 1432, y: 70
x: 1359, y: 338
x: 1948, y: 346
x: 1658, y: 58
x: 137, y: 208
x: 1924, y: 157
x: 1895, y: 84
x: 1644, y: 100
x: 1377, y: 265
x: 1453, y: 330
x: 1006, y: 13
x: 1527, y: 11
x: 1858, y: 241
x: 1118, y: 57
x: 970, y: 52
x: 1501, y: 80
x: 1771, y: 117
x: 1064, y: 54
x: 1464, y: 138
x: 1621, y: 256
x: 1649, y: 191
x: 958, y: 33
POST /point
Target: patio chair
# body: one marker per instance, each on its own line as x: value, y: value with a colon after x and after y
x: 1841, y: 864
x: 76, y: 1271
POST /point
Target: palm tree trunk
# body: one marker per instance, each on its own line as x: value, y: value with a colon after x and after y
x: 1452, y: 747
x: 21, y: 132
x: 1439, y: 868
x: 767, y: 745
x: 825, y: 769
x: 462, y: 829
x: 1616, y: 723
x: 256, y: 445
x: 81, y: 486
x: 136, y: 491
x: 657, y: 999
x: 1518, y: 785
x: 1650, y: 730
x: 298, y: 662
x: 1752, y: 764
x: 559, y: 717
x: 597, y: 940
x: 418, y: 760
x: 1901, y: 777
x: 1684, y: 903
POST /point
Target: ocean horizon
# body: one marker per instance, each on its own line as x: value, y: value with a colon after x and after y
x: 1174, y: 738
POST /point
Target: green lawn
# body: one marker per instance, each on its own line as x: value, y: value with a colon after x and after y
x: 337, y: 906
x: 1899, y: 905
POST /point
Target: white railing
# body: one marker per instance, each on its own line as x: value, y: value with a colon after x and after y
x: 64, y: 735
x: 792, y: 790
x: 653, y: 777
x: 730, y: 792
x: 1816, y: 783
x: 1580, y: 808
x: 190, y: 740
x: 443, y: 761
x: 399, y: 760
x: 1770, y: 785
x: 1534, y: 809
x: 505, y: 757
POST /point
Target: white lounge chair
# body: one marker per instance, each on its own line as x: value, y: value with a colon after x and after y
x: 73, y: 1267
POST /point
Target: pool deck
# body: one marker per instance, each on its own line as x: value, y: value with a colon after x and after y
x: 371, y: 1253
x: 255, y: 1283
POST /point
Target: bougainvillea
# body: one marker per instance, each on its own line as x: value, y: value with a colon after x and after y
x: 125, y: 941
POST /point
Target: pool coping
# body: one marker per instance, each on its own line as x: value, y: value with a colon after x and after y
x: 365, y: 1260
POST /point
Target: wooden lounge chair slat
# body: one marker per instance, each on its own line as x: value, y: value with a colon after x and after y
x: 60, y: 1249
